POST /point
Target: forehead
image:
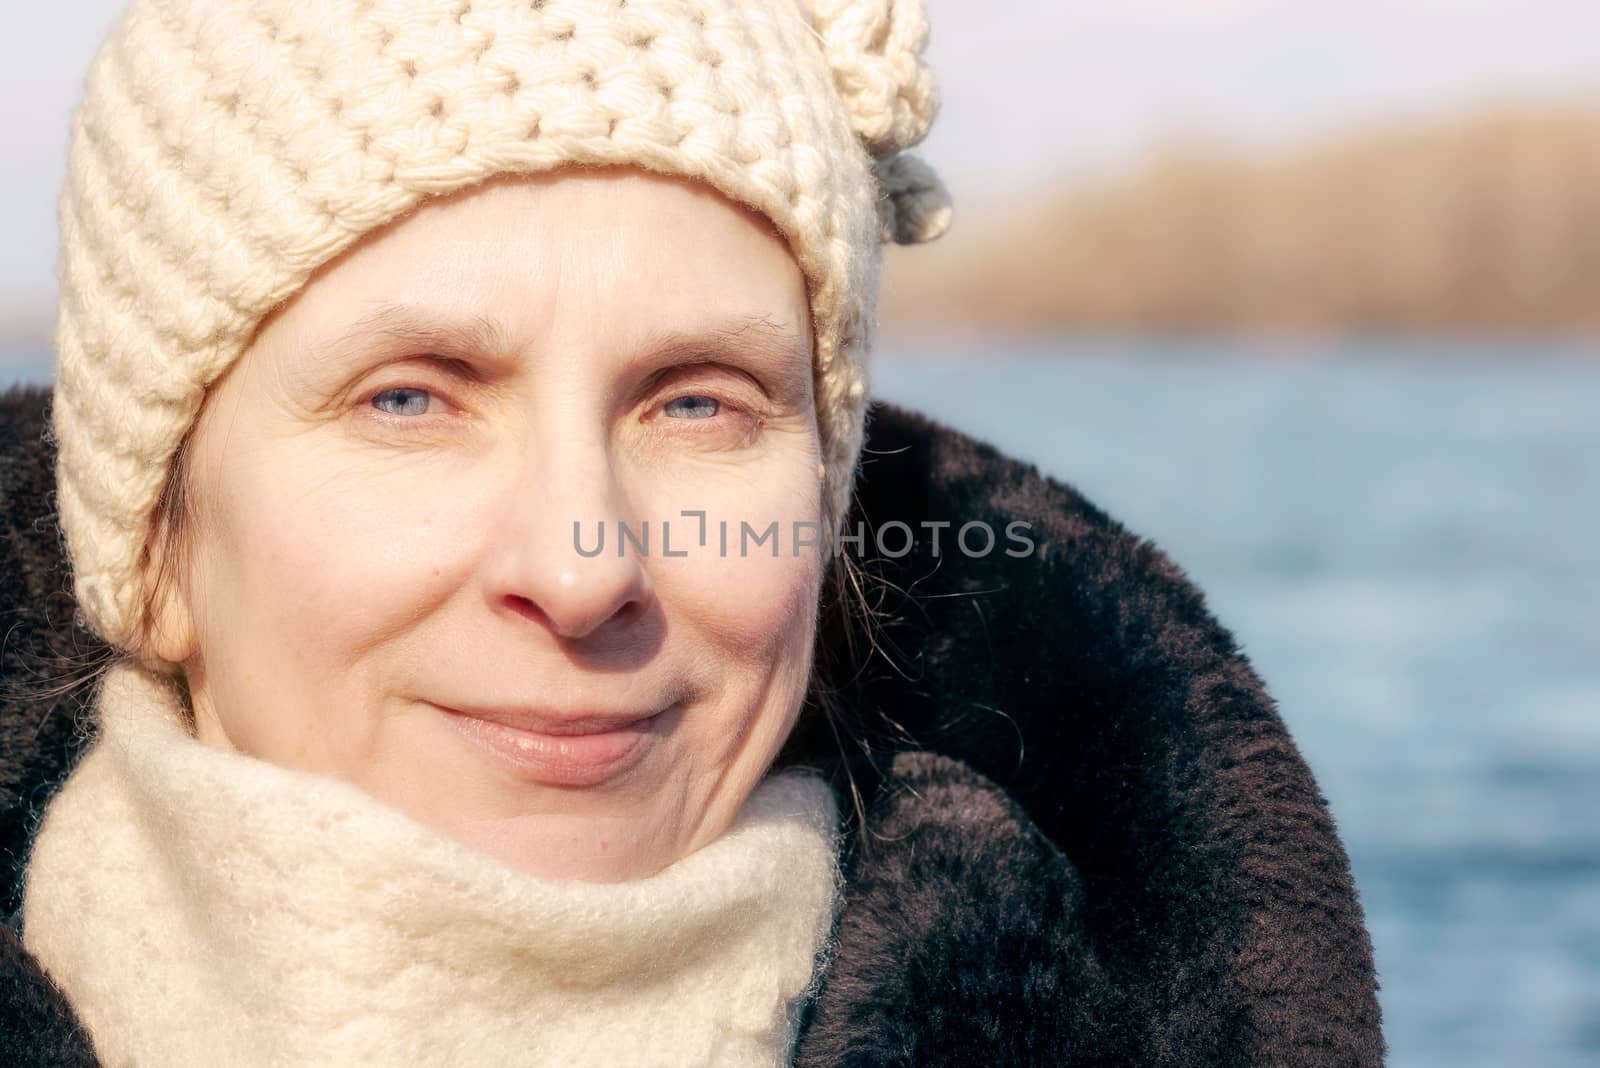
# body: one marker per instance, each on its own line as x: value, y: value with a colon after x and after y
x: 611, y: 257
x: 581, y: 229
x: 445, y: 330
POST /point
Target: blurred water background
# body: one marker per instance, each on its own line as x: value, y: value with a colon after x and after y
x: 1405, y: 539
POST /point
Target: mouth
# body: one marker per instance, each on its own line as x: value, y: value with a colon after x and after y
x: 559, y: 751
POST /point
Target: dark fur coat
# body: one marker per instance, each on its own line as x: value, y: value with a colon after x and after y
x: 1089, y: 838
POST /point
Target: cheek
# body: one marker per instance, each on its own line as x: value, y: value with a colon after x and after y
x: 756, y: 611
x: 322, y: 560
x: 746, y: 591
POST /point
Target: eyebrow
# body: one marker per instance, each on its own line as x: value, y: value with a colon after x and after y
x: 409, y: 325
x: 780, y: 351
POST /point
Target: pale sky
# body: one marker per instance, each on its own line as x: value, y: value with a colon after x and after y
x: 1034, y: 90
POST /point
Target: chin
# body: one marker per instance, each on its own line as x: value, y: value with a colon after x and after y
x: 626, y: 827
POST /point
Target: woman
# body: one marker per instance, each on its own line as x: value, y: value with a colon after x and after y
x: 377, y: 319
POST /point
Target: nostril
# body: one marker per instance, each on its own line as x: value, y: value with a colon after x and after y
x: 526, y: 606
x: 575, y: 620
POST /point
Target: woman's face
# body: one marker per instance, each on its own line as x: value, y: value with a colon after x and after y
x: 387, y: 485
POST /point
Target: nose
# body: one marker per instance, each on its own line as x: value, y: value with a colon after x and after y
x: 537, y: 570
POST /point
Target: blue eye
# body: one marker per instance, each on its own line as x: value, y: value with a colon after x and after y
x: 695, y: 407
x: 414, y: 401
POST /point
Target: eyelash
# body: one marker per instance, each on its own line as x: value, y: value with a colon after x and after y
x: 726, y: 408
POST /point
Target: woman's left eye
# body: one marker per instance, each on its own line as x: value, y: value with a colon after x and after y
x: 692, y: 407
x: 409, y: 401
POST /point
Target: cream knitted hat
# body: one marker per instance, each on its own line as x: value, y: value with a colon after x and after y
x: 224, y: 149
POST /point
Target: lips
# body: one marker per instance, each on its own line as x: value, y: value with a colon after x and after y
x: 555, y: 725
x: 578, y: 750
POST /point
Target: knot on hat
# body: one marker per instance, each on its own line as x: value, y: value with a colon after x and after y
x: 874, y: 49
x: 914, y: 205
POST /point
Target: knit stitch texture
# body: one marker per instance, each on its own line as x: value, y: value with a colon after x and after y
x: 238, y: 913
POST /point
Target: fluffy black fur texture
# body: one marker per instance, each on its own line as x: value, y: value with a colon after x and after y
x: 1089, y: 837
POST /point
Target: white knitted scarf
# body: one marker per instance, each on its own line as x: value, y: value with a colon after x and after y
x: 202, y: 907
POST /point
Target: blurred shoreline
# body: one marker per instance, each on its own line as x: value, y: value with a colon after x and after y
x: 1485, y: 224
